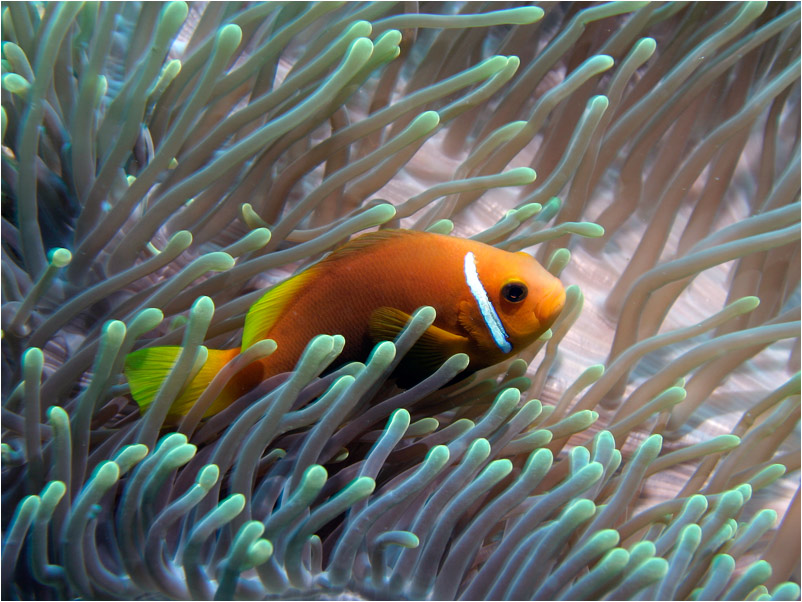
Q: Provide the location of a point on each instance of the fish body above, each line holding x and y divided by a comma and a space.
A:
490, 305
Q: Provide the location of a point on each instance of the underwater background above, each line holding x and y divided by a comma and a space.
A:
165, 163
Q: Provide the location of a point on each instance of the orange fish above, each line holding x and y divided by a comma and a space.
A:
490, 305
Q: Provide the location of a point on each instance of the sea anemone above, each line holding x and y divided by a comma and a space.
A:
163, 165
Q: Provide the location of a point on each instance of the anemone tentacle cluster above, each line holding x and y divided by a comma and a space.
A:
163, 164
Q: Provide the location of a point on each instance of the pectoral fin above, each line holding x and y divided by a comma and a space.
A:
433, 347
475, 327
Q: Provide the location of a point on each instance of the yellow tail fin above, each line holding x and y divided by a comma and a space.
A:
146, 370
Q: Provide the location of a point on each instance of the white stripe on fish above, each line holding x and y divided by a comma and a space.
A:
486, 308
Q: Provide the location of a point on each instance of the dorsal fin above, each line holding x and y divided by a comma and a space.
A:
263, 314
365, 241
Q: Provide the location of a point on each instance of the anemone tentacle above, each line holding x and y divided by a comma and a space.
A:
164, 163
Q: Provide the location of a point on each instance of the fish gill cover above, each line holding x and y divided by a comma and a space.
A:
162, 165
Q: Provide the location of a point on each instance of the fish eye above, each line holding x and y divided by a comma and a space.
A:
514, 292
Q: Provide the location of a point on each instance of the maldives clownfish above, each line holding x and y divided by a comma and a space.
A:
490, 305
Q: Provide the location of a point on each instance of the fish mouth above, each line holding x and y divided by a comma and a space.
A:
551, 304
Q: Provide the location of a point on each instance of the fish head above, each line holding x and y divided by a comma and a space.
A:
529, 299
